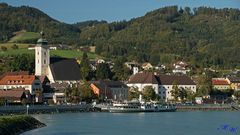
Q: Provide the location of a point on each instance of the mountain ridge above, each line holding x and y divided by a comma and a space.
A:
204, 37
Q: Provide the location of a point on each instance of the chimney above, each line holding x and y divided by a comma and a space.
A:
135, 70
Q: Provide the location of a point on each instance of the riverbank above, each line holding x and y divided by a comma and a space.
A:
41, 109
15, 125
209, 107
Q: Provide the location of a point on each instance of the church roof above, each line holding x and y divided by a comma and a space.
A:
64, 69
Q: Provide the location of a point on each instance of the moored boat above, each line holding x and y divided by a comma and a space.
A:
128, 107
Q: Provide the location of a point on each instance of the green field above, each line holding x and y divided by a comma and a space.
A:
9, 45
60, 53
23, 36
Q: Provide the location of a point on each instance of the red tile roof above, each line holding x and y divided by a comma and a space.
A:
17, 80
219, 82
11, 93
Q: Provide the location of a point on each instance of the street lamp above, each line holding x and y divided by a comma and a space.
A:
27, 109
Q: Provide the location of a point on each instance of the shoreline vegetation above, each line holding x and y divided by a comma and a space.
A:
15, 125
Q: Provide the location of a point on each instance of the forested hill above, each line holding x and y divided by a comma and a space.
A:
14, 19
205, 37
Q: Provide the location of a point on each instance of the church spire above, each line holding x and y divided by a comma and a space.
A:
42, 40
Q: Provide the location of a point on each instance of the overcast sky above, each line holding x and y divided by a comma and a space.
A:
71, 11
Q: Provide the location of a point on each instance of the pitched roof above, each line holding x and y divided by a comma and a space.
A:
180, 80
146, 64
15, 73
234, 79
108, 84
145, 78
17, 80
12, 93
65, 69
151, 78
219, 81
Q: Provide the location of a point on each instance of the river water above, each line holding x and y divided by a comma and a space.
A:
168, 123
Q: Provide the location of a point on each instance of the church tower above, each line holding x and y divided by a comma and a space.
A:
42, 57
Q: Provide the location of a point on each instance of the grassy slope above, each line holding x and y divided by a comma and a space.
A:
22, 36
61, 53
13, 125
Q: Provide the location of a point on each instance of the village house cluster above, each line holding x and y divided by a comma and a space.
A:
53, 75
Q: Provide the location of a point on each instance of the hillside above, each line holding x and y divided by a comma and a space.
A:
24, 37
13, 19
204, 37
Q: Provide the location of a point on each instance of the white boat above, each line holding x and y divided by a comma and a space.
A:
140, 107
165, 108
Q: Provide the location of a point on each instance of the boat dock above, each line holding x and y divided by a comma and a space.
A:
224, 107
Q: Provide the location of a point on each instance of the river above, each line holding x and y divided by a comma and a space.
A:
168, 123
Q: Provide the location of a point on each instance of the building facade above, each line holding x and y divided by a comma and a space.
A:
162, 84
28, 82
113, 90
56, 69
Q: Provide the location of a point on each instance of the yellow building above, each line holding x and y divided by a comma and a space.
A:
234, 82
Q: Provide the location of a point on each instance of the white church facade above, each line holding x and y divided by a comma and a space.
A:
56, 69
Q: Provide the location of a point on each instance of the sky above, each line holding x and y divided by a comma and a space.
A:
72, 11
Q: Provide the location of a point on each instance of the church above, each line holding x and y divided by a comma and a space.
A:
57, 70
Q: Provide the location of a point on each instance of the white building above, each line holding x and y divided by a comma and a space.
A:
28, 82
180, 67
162, 84
56, 69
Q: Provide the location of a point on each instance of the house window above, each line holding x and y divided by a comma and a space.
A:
44, 53
36, 83
44, 61
38, 61
38, 53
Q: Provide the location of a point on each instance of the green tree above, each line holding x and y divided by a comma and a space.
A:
237, 94
149, 93
175, 91
204, 85
24, 62
133, 93
85, 66
103, 71
87, 93
121, 72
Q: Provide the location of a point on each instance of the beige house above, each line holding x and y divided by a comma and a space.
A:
234, 82
220, 84
147, 66
28, 82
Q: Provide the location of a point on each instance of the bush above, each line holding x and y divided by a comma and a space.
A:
14, 47
3, 48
